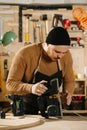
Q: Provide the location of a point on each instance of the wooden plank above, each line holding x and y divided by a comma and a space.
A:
13, 122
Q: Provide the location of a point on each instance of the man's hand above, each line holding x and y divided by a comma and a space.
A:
39, 88
68, 98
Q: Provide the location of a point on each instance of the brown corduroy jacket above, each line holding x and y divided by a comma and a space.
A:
26, 61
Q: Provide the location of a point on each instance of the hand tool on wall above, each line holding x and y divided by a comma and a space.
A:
27, 34
1, 26
45, 19
2, 22
39, 26
5, 69
66, 23
56, 19
75, 24
77, 41
34, 29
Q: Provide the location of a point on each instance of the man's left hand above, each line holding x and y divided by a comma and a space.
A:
68, 98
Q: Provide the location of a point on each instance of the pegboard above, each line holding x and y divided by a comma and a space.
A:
78, 59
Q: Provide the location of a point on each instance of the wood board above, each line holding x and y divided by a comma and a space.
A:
13, 122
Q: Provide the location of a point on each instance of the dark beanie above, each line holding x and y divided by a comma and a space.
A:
58, 36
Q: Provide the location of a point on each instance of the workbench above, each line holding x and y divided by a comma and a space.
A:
37, 122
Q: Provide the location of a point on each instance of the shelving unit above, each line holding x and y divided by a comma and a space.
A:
78, 104
77, 51
5, 62
80, 88
78, 99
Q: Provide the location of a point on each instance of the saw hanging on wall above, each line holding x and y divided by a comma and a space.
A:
57, 20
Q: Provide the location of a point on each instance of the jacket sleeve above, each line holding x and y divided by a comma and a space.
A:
69, 78
14, 82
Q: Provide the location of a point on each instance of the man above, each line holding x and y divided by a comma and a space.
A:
36, 64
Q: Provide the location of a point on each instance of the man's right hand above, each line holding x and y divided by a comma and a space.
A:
39, 88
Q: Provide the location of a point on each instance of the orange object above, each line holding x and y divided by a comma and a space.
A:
80, 14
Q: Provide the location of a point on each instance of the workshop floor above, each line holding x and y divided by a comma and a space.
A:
67, 123
77, 122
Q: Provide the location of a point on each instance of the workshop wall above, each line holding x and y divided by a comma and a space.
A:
35, 29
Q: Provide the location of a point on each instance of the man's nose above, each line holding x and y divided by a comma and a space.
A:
60, 55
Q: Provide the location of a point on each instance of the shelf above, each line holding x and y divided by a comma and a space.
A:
74, 31
75, 111
79, 95
77, 47
80, 79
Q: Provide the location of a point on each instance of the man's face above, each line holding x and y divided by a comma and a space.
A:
56, 51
